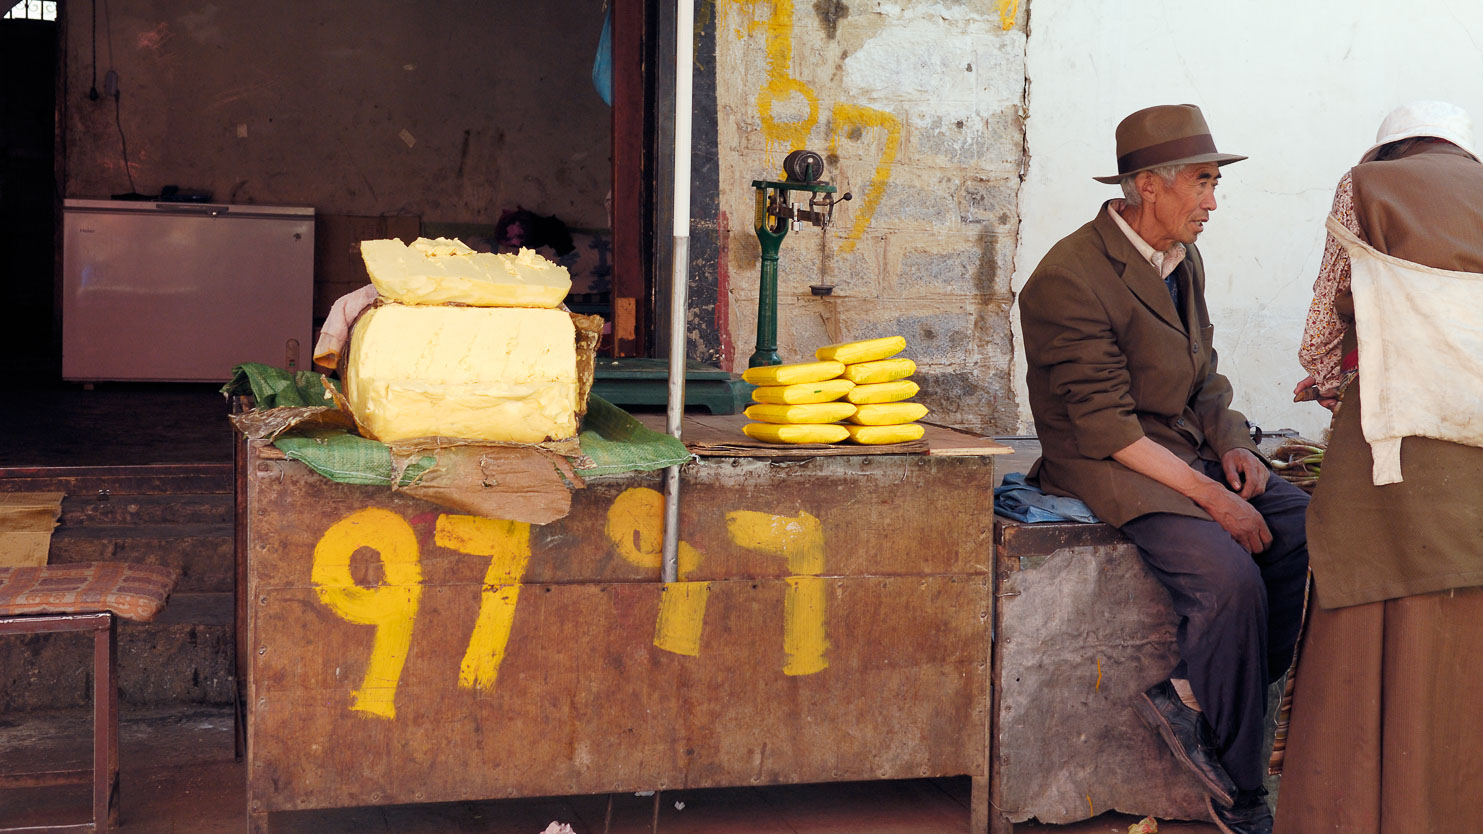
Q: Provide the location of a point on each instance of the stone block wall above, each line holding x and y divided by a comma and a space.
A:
918, 111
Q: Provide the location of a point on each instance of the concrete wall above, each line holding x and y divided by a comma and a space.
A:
1300, 88
450, 111
918, 110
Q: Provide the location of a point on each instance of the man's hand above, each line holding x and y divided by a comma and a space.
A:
1235, 516
1229, 510
1244, 472
1307, 389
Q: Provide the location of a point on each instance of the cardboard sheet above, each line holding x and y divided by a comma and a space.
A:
26, 523
720, 435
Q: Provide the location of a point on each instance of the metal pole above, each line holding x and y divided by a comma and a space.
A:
678, 301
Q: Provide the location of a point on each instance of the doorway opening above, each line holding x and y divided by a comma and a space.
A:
29, 193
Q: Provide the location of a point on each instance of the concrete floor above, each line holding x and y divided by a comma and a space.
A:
178, 776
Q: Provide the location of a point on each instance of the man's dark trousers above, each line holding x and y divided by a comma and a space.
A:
1239, 613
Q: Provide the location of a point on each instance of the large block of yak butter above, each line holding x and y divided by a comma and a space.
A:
443, 271
503, 374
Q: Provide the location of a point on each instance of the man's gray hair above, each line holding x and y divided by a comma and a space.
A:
1168, 173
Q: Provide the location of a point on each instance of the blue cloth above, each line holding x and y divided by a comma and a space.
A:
602, 65
1023, 501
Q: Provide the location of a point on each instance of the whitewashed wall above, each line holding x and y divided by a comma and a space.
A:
1299, 86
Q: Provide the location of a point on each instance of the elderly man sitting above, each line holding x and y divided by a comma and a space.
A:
1135, 420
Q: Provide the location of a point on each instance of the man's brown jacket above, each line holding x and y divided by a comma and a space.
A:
1110, 361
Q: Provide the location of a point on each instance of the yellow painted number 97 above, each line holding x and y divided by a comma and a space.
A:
391, 606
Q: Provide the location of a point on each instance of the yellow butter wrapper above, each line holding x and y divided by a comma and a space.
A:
882, 435
888, 414
810, 413
883, 370
882, 392
783, 433
795, 373
868, 350
803, 392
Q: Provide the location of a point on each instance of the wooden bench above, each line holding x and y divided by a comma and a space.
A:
84, 597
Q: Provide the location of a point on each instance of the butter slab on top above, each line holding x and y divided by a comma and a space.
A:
445, 271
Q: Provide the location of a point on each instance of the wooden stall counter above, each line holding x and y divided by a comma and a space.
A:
831, 623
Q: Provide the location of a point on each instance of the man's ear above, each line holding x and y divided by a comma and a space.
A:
1146, 186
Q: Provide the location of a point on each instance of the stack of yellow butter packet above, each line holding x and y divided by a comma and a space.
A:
801, 403
881, 390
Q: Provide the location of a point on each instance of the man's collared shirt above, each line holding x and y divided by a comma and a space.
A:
1164, 262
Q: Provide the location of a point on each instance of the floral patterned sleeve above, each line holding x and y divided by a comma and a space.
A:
1320, 352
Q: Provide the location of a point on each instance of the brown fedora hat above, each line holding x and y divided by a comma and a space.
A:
1169, 134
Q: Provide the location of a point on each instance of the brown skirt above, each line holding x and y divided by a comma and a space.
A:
1387, 721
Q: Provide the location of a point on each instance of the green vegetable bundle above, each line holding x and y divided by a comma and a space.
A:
1299, 463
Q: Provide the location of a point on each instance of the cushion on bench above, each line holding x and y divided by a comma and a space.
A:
131, 591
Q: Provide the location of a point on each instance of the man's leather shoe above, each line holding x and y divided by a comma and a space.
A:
1249, 814
1188, 736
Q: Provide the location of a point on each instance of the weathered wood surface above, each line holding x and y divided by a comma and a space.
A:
165, 478
843, 635
1082, 627
883, 515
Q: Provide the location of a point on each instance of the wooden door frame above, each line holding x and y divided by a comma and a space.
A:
633, 296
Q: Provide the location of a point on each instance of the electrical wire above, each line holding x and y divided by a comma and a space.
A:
93, 91
118, 120
117, 114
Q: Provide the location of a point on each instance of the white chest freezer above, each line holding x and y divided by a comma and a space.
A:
181, 292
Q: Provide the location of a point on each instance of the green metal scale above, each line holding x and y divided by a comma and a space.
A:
775, 215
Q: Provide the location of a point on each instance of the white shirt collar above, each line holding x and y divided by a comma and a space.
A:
1162, 262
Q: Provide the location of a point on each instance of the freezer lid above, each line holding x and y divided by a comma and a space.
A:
185, 209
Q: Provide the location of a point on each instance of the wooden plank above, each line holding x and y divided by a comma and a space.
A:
1018, 543
151, 479
949, 441
631, 282
883, 516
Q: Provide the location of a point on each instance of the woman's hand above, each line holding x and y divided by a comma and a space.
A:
1307, 389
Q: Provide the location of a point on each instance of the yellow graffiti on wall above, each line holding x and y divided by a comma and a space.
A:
635, 526
1008, 9
391, 606
781, 88
507, 544
853, 116
800, 540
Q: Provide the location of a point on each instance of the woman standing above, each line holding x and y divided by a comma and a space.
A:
1387, 723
